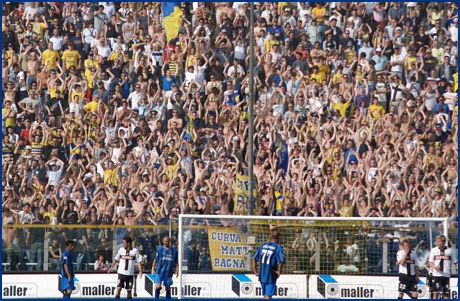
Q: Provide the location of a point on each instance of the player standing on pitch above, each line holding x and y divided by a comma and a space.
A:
409, 271
165, 264
271, 259
67, 284
441, 259
126, 256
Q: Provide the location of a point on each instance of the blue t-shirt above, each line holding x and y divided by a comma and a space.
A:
167, 260
269, 256
66, 259
167, 83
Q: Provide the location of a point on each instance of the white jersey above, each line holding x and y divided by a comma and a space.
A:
444, 259
411, 262
127, 260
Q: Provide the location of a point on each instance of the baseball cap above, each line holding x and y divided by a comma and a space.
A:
456, 20
28, 147
378, 49
100, 82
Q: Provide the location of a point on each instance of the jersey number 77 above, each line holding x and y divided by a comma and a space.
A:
266, 256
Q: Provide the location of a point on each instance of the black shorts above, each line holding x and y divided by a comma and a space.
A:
429, 281
407, 284
441, 285
125, 281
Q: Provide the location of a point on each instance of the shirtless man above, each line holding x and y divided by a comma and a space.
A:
200, 168
5, 71
313, 199
200, 199
133, 176
229, 11
143, 84
9, 217
175, 119
224, 209
130, 219
138, 204
33, 65
10, 91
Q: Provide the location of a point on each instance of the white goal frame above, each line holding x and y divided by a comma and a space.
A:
183, 217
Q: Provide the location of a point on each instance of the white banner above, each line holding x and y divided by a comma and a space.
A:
365, 287
194, 286
17, 286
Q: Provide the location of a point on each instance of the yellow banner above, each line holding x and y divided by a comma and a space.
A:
228, 249
242, 193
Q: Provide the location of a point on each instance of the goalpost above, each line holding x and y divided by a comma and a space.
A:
325, 257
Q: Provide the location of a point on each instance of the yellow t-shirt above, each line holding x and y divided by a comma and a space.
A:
323, 71
50, 57
455, 76
316, 76
191, 60
39, 28
268, 44
9, 120
337, 78
91, 63
347, 211
71, 58
52, 92
92, 106
80, 94
341, 107
378, 108
110, 176
409, 61
115, 56
90, 80
319, 11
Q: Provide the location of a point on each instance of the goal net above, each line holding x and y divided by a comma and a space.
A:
325, 257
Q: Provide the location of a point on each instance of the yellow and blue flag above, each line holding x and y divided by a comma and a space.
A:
189, 132
283, 157
171, 19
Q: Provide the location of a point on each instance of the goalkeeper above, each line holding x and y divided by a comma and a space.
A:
166, 264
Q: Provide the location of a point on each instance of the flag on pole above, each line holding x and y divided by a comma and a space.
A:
234, 98
171, 19
241, 194
189, 132
283, 157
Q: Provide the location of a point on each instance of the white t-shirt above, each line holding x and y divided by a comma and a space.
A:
104, 51
448, 258
412, 261
396, 58
451, 98
135, 98
126, 261
453, 33
350, 252
57, 42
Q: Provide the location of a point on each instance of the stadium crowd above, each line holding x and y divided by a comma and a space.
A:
105, 121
